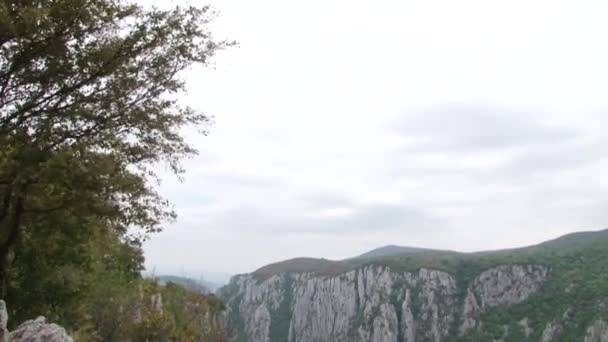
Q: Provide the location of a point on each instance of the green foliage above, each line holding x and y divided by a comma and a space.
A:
280, 319
146, 311
87, 112
201, 286
573, 296
86, 109
302, 265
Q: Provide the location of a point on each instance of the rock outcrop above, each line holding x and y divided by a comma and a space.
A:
598, 332
500, 286
3, 322
552, 332
372, 304
37, 330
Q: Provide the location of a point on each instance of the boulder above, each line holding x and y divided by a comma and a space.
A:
39, 330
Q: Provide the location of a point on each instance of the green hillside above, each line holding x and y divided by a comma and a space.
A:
573, 296
411, 258
392, 251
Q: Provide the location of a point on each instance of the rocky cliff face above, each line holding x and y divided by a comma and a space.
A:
376, 304
500, 286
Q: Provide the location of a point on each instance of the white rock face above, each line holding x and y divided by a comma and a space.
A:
373, 304
470, 312
552, 332
257, 302
508, 285
500, 286
370, 304
408, 324
598, 332
385, 327
39, 331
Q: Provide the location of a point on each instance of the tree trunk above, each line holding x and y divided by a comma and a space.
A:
12, 230
6, 203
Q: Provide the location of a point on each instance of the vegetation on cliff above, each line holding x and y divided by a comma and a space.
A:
557, 289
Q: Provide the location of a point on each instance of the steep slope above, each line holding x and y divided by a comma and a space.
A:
555, 291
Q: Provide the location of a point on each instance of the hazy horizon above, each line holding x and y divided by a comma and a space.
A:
343, 126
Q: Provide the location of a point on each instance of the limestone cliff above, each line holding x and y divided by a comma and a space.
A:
555, 291
372, 303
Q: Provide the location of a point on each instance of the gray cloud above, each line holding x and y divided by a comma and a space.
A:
473, 128
335, 221
502, 145
442, 182
490, 144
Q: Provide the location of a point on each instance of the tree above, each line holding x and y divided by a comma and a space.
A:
87, 109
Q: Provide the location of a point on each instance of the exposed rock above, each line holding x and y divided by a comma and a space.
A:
508, 285
470, 312
598, 332
408, 324
368, 304
3, 322
373, 304
325, 306
156, 301
525, 324
552, 332
500, 286
259, 326
31, 331
39, 331
385, 327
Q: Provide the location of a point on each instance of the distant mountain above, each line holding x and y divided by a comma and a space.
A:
575, 240
301, 265
396, 251
550, 292
325, 266
210, 280
201, 286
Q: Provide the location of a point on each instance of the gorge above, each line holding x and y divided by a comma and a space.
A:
554, 291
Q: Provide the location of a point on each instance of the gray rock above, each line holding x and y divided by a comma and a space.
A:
408, 324
39, 330
500, 286
360, 305
3, 322
552, 332
598, 332
385, 327
470, 313
525, 324
374, 303
508, 285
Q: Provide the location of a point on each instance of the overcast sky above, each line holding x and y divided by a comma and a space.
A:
341, 126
